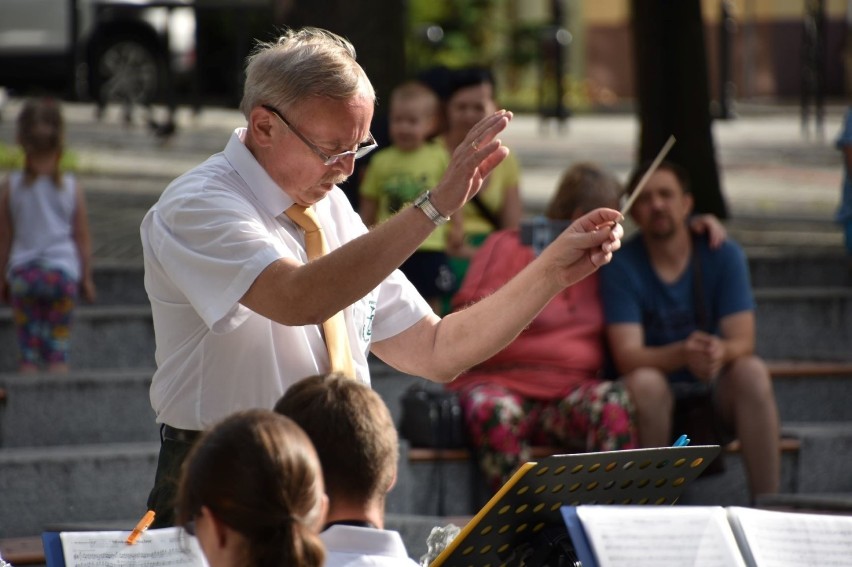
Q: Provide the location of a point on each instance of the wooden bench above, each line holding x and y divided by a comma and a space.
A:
22, 550
421, 454
805, 368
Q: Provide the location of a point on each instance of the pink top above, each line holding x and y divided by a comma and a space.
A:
564, 345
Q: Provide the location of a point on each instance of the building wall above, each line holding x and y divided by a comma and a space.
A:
766, 56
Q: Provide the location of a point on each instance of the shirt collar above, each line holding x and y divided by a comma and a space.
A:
269, 193
369, 541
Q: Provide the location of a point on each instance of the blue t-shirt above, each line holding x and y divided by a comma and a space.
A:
633, 293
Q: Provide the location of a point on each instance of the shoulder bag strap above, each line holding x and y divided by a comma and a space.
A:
702, 318
486, 213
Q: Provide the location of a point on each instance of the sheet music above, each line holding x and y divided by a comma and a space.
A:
787, 539
660, 536
168, 547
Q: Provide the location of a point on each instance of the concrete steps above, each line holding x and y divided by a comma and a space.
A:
41, 486
111, 406
774, 268
802, 323
812, 391
120, 283
83, 447
820, 465
84, 407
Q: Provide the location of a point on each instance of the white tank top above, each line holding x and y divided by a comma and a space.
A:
43, 223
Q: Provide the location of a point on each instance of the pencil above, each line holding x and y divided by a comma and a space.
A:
141, 527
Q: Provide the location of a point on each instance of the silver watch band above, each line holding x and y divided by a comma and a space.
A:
424, 203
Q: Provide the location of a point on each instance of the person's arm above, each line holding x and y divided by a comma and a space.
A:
83, 242
455, 234
629, 352
6, 235
440, 349
292, 293
710, 225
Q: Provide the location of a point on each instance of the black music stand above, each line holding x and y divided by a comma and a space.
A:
530, 501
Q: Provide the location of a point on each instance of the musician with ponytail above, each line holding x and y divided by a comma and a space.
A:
252, 491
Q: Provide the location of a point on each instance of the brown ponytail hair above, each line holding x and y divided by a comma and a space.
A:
41, 132
259, 474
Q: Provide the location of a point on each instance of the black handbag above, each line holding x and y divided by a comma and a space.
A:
695, 415
432, 418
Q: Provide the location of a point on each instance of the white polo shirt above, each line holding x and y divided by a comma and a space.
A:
212, 232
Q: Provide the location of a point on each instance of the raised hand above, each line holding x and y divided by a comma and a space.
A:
473, 159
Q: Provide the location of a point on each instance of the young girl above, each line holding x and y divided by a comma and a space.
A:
44, 241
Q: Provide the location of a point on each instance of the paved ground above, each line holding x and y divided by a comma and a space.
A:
781, 183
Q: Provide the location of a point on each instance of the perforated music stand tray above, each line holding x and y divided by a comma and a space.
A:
531, 499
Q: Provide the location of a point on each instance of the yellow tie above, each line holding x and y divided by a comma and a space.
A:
336, 339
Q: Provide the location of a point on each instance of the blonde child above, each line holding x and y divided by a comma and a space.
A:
45, 246
397, 175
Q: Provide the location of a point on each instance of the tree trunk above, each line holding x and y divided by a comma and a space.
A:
674, 94
377, 32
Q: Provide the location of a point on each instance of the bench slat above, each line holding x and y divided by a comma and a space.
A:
805, 368
429, 454
22, 550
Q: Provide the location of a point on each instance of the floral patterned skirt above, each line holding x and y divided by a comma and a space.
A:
502, 425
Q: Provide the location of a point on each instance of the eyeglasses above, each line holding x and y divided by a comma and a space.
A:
363, 148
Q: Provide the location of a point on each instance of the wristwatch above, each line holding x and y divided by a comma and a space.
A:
424, 203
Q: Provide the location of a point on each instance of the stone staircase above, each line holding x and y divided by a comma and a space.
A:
82, 448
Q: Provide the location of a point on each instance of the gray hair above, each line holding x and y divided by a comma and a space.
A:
301, 64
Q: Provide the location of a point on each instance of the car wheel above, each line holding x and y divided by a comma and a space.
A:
125, 71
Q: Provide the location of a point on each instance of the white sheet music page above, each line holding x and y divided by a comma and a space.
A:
167, 547
788, 539
660, 536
